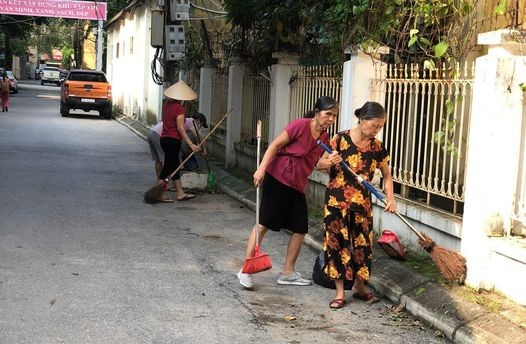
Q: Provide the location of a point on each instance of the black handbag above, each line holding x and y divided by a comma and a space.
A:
319, 277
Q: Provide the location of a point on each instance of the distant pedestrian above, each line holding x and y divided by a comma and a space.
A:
348, 208
200, 122
154, 141
283, 173
172, 134
5, 93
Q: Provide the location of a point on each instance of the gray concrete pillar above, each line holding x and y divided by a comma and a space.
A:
280, 74
235, 103
205, 91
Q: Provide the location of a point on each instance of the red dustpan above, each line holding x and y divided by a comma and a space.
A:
390, 243
260, 261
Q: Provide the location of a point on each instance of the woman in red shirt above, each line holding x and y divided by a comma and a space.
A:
283, 173
173, 133
5, 93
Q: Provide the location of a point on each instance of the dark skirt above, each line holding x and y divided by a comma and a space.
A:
171, 148
282, 207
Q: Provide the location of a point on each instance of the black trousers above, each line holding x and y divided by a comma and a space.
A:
171, 148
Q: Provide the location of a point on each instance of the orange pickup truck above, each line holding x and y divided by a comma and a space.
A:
86, 90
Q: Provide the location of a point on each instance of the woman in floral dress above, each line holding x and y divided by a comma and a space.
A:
348, 209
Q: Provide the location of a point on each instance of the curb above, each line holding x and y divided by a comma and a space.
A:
128, 123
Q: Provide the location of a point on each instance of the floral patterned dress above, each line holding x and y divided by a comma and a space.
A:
348, 210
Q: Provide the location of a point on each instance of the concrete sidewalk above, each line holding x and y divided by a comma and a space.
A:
459, 319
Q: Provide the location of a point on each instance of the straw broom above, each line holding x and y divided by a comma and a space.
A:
452, 266
154, 194
260, 261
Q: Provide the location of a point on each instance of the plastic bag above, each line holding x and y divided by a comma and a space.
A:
319, 277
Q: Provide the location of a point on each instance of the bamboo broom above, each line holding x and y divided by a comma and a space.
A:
260, 261
154, 194
452, 266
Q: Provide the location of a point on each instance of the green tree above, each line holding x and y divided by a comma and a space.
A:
13, 34
115, 6
266, 26
54, 33
414, 30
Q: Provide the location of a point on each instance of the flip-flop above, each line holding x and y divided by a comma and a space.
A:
186, 197
166, 200
368, 296
337, 303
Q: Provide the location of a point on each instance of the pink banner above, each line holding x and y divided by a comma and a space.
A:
94, 10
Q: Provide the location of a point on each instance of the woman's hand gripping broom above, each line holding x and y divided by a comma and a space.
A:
452, 266
259, 261
154, 194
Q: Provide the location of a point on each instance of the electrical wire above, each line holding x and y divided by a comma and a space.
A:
157, 59
15, 21
215, 3
202, 18
207, 9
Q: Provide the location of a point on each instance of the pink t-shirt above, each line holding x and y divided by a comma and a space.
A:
294, 162
158, 128
171, 110
188, 124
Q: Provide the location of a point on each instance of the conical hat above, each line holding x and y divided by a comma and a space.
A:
180, 91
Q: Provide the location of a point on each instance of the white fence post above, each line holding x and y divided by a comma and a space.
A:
492, 166
357, 75
205, 91
280, 93
235, 102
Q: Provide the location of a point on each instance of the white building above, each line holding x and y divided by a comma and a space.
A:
129, 60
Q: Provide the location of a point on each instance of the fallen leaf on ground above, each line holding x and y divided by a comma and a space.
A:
289, 317
420, 291
399, 308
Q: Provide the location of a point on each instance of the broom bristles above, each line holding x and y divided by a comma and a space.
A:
155, 193
452, 266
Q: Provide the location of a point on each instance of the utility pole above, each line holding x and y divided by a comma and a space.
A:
99, 45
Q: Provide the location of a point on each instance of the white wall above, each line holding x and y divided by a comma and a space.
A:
133, 88
492, 164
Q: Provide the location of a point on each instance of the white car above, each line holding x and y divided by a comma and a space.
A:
50, 75
13, 83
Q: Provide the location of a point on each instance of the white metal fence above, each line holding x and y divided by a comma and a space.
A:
308, 83
219, 99
426, 129
256, 106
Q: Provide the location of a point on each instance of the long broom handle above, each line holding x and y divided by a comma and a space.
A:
371, 189
199, 141
258, 138
198, 146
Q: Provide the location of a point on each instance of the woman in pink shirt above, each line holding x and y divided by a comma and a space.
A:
283, 174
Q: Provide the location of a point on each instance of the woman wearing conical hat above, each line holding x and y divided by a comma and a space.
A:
173, 134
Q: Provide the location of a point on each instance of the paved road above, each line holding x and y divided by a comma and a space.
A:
83, 260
